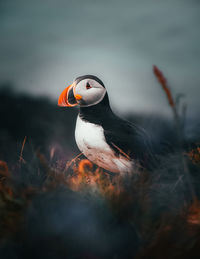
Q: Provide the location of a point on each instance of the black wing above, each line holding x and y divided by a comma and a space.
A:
127, 139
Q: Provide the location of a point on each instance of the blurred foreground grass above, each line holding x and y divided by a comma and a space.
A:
139, 214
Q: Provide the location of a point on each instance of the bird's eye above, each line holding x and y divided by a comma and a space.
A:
88, 86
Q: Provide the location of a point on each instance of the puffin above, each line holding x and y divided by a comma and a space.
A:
105, 139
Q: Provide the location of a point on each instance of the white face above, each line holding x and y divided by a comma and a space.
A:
90, 91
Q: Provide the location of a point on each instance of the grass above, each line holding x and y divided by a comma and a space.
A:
53, 209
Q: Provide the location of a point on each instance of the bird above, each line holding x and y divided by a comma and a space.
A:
105, 139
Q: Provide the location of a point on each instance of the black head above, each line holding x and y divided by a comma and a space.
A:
87, 90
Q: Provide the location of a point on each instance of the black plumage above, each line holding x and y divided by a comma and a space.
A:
122, 136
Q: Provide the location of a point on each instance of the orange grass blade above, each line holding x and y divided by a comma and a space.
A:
84, 164
194, 155
68, 164
162, 80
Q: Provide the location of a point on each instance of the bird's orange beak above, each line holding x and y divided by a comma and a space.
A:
68, 98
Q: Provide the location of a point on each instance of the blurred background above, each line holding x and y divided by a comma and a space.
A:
44, 45
50, 206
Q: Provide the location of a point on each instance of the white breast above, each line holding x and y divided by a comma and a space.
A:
91, 141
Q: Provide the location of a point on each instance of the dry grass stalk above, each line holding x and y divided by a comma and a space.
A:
22, 149
178, 122
162, 80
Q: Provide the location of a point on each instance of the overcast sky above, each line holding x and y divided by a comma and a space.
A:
44, 45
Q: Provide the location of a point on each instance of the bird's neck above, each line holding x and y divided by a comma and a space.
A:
96, 113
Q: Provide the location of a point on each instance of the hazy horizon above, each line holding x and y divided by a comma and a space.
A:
45, 45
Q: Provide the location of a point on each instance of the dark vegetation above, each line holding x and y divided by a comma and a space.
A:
53, 206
